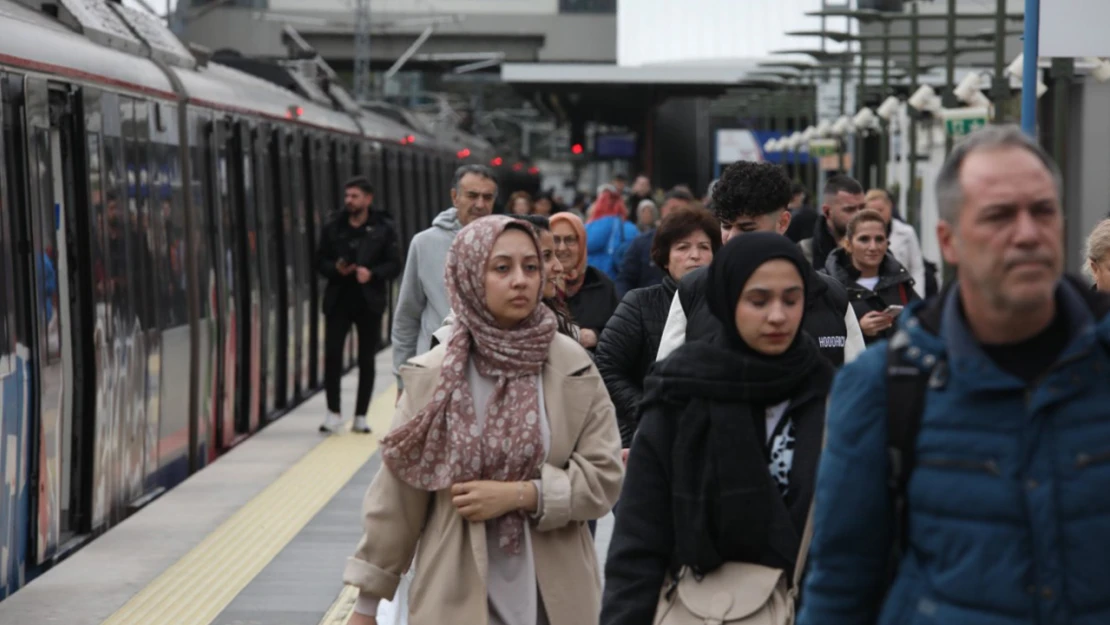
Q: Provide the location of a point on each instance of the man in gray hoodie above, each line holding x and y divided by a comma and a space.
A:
422, 304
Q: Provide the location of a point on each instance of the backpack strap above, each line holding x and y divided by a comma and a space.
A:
906, 388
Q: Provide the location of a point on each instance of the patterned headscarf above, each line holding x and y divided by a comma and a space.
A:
443, 445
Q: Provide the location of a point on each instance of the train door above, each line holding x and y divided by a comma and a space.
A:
409, 197
53, 273
287, 267
306, 267
141, 328
221, 237
16, 340
266, 227
312, 227
420, 190
243, 244
205, 272
392, 182
324, 189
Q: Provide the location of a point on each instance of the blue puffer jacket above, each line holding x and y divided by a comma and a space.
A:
604, 238
1009, 497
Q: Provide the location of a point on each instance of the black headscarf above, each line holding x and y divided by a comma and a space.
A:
725, 504
735, 263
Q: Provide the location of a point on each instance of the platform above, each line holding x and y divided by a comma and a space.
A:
260, 537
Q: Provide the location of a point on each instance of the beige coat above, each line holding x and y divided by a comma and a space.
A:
581, 481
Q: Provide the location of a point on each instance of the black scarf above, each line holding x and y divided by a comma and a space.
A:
723, 496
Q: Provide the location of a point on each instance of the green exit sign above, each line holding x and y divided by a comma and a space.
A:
822, 147
964, 126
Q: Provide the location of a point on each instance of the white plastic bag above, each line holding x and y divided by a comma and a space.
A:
396, 612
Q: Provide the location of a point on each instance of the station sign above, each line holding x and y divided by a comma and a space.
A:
820, 148
962, 122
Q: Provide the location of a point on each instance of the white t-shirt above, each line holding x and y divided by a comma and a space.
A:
868, 283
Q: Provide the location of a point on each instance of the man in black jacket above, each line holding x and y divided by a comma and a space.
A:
358, 254
843, 198
754, 197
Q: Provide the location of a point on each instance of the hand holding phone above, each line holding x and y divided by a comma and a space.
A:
893, 311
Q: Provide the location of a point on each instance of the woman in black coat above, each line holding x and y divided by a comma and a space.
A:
685, 240
878, 286
723, 466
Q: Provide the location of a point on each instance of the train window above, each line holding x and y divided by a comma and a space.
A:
46, 269
168, 205
97, 223
15, 197
7, 250
115, 218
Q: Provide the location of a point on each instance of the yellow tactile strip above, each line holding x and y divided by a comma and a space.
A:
341, 610
203, 582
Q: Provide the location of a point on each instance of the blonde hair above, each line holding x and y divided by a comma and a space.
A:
878, 194
862, 217
1098, 246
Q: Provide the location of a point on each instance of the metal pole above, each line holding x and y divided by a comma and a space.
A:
950, 99
1062, 71
843, 106
911, 189
1000, 85
884, 140
400, 62
857, 159
1031, 49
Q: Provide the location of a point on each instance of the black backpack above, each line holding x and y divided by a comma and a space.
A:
906, 388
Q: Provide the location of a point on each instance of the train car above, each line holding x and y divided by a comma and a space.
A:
159, 295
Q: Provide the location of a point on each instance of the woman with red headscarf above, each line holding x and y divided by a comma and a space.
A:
590, 295
503, 447
608, 231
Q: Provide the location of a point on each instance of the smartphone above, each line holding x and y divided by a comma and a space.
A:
893, 311
343, 262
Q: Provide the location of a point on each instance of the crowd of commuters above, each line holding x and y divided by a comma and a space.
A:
796, 423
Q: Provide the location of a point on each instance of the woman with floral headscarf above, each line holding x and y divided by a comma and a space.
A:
504, 446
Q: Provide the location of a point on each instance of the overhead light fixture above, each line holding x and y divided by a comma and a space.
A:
889, 108
924, 99
865, 119
842, 126
1017, 67
1101, 70
968, 89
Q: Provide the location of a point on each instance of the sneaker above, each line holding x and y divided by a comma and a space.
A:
331, 423
360, 426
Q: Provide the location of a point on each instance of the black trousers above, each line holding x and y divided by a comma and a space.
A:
337, 325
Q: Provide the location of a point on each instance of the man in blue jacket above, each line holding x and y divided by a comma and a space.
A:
1008, 518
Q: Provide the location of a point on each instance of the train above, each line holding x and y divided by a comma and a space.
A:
159, 299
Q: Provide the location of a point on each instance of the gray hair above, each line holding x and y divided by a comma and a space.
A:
950, 196
1098, 246
478, 170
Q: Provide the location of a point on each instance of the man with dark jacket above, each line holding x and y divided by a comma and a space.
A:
843, 198
637, 271
754, 197
1004, 517
358, 254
